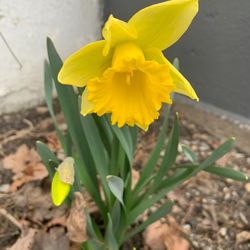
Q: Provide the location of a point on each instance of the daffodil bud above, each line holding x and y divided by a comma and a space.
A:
62, 181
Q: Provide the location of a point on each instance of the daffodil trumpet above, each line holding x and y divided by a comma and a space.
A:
126, 73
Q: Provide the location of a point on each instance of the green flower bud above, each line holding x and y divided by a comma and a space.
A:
62, 181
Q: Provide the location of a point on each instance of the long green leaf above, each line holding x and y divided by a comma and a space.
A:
182, 175
125, 139
170, 153
46, 155
116, 216
95, 143
160, 212
105, 131
154, 156
134, 135
69, 105
97, 150
48, 88
168, 160
179, 177
92, 228
227, 173
217, 154
189, 153
167, 185
110, 239
116, 186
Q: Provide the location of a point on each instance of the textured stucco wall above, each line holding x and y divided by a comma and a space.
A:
24, 25
214, 52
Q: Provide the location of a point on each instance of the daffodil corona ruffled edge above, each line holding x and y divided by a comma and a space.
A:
126, 74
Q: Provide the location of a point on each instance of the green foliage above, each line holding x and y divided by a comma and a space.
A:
103, 157
116, 186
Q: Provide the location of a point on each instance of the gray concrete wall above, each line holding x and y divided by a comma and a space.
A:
214, 53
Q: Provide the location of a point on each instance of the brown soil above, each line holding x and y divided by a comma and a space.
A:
212, 212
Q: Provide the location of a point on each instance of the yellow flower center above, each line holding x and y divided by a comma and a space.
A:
132, 89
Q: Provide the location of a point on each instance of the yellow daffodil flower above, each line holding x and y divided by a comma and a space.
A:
62, 181
126, 74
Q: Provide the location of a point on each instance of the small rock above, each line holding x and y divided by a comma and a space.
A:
4, 187
227, 196
223, 231
247, 187
195, 244
248, 160
186, 228
204, 147
243, 219
176, 209
41, 109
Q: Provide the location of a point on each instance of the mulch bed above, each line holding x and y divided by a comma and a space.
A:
213, 213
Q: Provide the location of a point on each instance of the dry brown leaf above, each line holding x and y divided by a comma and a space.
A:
76, 222
153, 236
11, 219
75, 246
135, 178
247, 187
54, 239
242, 237
58, 221
25, 242
90, 204
53, 142
160, 236
26, 166
223, 160
177, 196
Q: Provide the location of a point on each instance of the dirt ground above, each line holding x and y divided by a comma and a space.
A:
210, 212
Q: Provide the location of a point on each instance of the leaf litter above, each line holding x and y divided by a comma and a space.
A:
210, 212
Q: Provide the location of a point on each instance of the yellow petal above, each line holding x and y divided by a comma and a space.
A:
116, 31
132, 92
182, 85
86, 106
86, 63
59, 190
162, 24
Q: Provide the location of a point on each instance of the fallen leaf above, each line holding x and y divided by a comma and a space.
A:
76, 222
159, 236
153, 236
75, 246
178, 197
26, 166
90, 204
35, 204
53, 142
223, 160
242, 237
58, 221
25, 242
54, 239
11, 219
135, 177
247, 187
